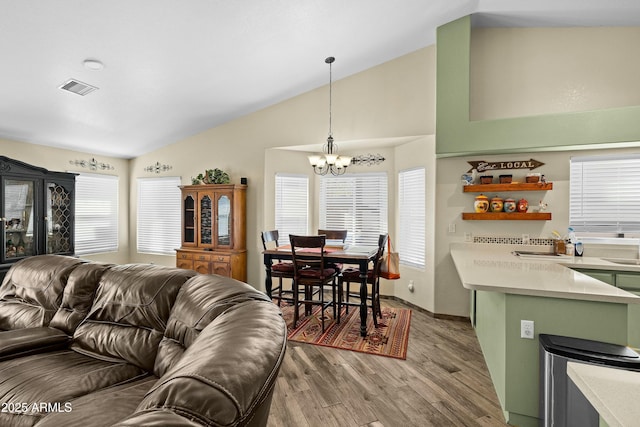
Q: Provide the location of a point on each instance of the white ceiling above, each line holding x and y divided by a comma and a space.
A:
173, 68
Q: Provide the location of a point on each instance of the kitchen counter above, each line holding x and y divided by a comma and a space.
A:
545, 290
614, 393
495, 268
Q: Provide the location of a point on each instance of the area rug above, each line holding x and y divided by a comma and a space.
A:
390, 338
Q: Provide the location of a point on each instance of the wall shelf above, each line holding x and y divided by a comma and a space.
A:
511, 216
491, 188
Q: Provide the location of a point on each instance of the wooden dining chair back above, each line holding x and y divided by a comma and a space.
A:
311, 274
337, 235
280, 270
352, 275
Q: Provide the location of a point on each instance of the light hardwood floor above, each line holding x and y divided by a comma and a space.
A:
443, 382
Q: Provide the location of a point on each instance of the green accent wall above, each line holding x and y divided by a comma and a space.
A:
456, 135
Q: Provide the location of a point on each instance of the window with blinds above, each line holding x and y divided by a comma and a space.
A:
96, 214
159, 221
604, 195
292, 206
356, 203
411, 217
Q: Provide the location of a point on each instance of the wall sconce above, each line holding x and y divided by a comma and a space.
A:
92, 164
367, 159
157, 168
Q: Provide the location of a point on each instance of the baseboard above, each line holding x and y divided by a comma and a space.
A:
427, 312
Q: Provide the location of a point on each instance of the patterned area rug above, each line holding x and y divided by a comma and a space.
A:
390, 338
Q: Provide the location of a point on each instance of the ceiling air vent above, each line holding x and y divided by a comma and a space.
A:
78, 87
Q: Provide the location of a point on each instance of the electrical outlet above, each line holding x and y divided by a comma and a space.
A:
452, 227
525, 239
411, 286
468, 237
526, 329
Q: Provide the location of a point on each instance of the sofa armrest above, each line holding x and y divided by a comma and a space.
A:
227, 375
21, 342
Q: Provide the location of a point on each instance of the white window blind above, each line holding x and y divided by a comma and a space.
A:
411, 207
292, 206
159, 221
96, 216
356, 203
604, 194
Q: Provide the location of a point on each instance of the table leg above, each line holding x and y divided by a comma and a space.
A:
268, 284
363, 298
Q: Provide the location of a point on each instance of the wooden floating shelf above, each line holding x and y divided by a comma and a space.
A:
510, 216
492, 188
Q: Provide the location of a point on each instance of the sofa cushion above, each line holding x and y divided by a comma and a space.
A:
101, 408
226, 377
56, 378
21, 342
78, 296
31, 291
129, 313
201, 299
157, 418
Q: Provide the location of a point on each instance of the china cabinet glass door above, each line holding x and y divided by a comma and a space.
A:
223, 212
18, 214
58, 219
205, 217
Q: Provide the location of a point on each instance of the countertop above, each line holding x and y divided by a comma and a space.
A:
495, 268
614, 393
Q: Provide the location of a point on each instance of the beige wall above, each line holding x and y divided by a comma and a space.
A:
55, 159
530, 71
393, 100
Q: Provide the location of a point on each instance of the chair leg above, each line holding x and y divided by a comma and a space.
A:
340, 296
295, 306
280, 292
322, 306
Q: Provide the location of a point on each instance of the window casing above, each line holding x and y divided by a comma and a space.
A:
96, 214
292, 206
159, 209
411, 217
605, 196
357, 203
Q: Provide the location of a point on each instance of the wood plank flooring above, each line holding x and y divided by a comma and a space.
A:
443, 382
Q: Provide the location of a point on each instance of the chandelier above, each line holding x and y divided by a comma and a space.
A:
329, 161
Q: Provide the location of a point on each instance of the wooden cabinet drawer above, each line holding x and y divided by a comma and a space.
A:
221, 258
184, 255
202, 257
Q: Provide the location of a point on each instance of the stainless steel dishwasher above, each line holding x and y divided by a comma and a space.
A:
562, 404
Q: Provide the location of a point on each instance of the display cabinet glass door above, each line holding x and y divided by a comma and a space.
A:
223, 219
59, 219
18, 215
205, 217
189, 220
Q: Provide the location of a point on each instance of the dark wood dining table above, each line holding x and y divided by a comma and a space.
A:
360, 256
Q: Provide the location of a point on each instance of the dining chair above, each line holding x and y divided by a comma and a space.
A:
335, 235
340, 235
352, 275
310, 272
280, 270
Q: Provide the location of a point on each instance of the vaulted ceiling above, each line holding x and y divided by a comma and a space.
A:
172, 68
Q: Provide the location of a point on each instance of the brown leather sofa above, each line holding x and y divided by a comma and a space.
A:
89, 344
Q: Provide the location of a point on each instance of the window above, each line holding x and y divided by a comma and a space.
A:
159, 221
292, 206
96, 216
357, 203
411, 207
604, 194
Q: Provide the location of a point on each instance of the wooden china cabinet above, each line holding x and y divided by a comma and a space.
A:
214, 230
37, 212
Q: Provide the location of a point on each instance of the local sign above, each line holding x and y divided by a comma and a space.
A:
482, 166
